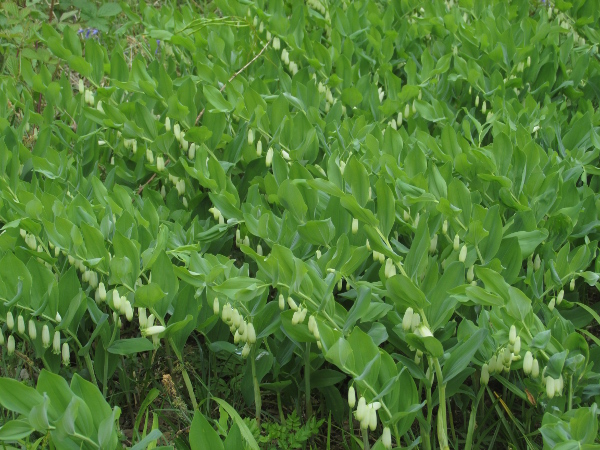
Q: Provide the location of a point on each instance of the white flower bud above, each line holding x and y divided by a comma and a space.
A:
416, 320
456, 242
259, 250
237, 337
445, 227
153, 330
535, 368
351, 397
484, 107
550, 389
10, 321
517, 346
269, 157
463, 253
167, 124
177, 131
281, 302
259, 148
66, 354
559, 385
30, 241
485, 375
399, 120
81, 86
123, 305
32, 330
58, 318
128, 311
192, 152
407, 319
292, 304
101, 291
116, 300
361, 409
250, 333
354, 226
433, 244
552, 304
492, 366
245, 351
470, 274
572, 285
477, 101
512, 334
160, 163
20, 325
529, 61
560, 297
143, 320
276, 43
527, 362
537, 263
372, 419
56, 343
10, 345
386, 438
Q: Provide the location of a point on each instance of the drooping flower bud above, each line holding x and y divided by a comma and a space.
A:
535, 368
128, 311
66, 354
160, 163
32, 329
56, 343
177, 131
386, 438
512, 334
259, 250
470, 274
527, 362
167, 124
550, 389
81, 86
361, 409
10, 321
572, 284
116, 300
259, 148
407, 319
45, 336
58, 318
351, 397
250, 333
456, 242
372, 418
269, 157
151, 331
20, 325
560, 296
10, 345
192, 152
281, 302
101, 291
354, 226
245, 351
517, 346
416, 320
250, 136
463, 253
537, 263
292, 303
552, 304
485, 375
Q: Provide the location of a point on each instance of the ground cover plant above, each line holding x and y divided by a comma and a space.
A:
277, 224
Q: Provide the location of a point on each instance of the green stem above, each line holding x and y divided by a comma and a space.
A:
307, 381
190, 388
570, 397
90, 367
365, 436
425, 434
472, 421
257, 398
105, 374
442, 422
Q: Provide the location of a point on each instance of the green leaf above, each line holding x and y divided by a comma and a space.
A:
215, 98
147, 295
318, 232
462, 355
202, 435
14, 430
130, 346
246, 433
405, 293
17, 397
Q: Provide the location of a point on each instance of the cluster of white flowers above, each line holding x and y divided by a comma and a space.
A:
291, 64
147, 327
88, 95
29, 239
130, 144
122, 306
32, 332
243, 331
366, 414
217, 215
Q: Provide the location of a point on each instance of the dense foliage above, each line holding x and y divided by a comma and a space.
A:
272, 224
